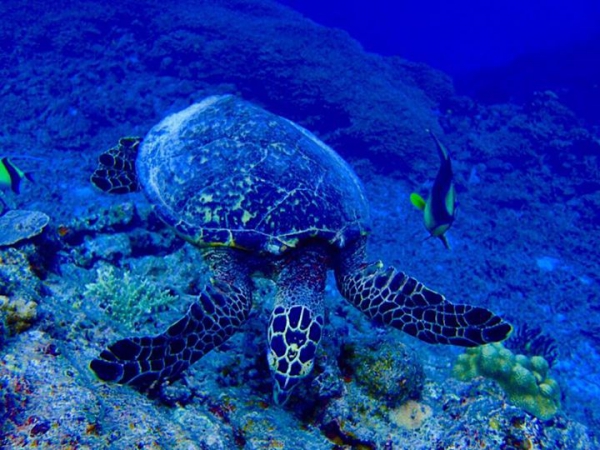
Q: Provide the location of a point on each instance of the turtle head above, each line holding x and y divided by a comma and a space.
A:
294, 334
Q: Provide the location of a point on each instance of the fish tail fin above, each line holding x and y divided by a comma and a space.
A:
417, 201
115, 173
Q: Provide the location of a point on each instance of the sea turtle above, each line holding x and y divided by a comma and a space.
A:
260, 194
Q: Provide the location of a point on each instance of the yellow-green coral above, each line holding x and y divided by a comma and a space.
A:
18, 314
126, 298
525, 380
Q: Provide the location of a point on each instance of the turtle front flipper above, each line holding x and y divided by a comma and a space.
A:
296, 323
393, 298
115, 173
147, 362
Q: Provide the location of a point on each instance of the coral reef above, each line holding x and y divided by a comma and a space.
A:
316, 76
125, 297
389, 372
525, 380
17, 314
18, 225
18, 275
111, 233
410, 415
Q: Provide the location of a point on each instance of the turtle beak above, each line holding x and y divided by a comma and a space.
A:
280, 397
282, 388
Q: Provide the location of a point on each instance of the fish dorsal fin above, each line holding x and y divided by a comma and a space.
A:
440, 147
417, 201
115, 173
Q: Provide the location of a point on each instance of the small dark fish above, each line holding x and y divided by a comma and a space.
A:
440, 207
11, 175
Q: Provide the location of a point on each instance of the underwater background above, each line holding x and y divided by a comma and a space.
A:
514, 100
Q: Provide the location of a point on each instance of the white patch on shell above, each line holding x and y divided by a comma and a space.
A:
162, 137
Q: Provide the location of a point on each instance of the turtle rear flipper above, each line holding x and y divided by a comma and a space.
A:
147, 362
115, 173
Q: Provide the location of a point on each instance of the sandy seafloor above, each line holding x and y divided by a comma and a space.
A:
76, 76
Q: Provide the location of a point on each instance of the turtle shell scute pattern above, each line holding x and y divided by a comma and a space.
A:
225, 172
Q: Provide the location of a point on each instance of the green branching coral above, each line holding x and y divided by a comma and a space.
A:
126, 298
524, 379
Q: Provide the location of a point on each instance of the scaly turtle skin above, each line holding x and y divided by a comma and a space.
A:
259, 194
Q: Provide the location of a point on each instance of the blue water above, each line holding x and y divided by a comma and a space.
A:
511, 90
459, 36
